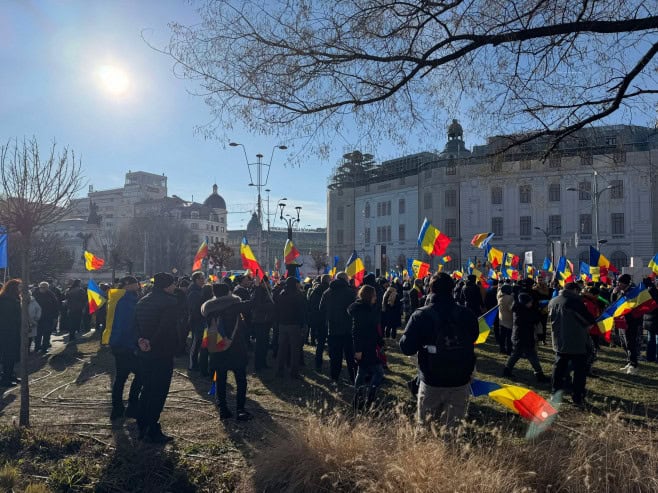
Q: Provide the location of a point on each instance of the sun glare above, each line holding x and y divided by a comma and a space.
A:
114, 80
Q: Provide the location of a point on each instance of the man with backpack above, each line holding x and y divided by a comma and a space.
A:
443, 334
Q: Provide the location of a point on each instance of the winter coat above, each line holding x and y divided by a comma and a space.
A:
10, 328
157, 319
230, 307
291, 308
523, 324
392, 308
505, 302
76, 300
262, 306
124, 332
49, 304
414, 298
334, 304
472, 298
34, 314
194, 300
365, 331
570, 321
316, 319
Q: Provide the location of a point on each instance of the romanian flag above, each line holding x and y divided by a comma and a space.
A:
548, 265
585, 273
445, 259
249, 260
92, 262
457, 274
220, 341
564, 271
355, 269
511, 260
653, 264
432, 240
213, 386
638, 300
332, 272
494, 256
480, 240
201, 253
524, 402
120, 315
512, 274
529, 271
482, 278
290, 252
420, 269
597, 259
486, 323
95, 296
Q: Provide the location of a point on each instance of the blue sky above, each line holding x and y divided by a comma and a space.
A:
51, 52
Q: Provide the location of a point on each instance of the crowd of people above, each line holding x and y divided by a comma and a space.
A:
218, 325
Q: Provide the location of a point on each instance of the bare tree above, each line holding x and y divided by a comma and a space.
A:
393, 67
220, 254
320, 260
114, 250
48, 256
35, 192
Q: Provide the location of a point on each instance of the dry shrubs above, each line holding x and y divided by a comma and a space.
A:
390, 455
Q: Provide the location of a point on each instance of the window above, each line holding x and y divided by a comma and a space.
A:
367, 210
497, 226
427, 200
379, 209
555, 225
428, 173
554, 192
525, 194
585, 224
617, 223
497, 195
379, 234
221, 220
616, 189
388, 208
222, 229
526, 164
611, 141
525, 226
451, 170
366, 236
339, 236
451, 228
619, 157
340, 213
401, 232
619, 259
496, 166
451, 198
587, 160
387, 234
554, 161
402, 206
194, 226
194, 214
584, 190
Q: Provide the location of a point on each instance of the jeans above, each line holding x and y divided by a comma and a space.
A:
262, 332
126, 363
651, 346
376, 373
290, 341
156, 373
561, 370
8, 374
321, 340
45, 328
74, 321
529, 351
505, 339
447, 404
630, 340
341, 346
198, 356
240, 374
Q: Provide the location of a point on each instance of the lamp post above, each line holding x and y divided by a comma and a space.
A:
290, 222
549, 243
595, 195
259, 182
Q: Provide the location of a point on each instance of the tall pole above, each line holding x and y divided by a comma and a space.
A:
595, 204
259, 185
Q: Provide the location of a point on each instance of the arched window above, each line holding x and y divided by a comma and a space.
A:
583, 257
619, 259
367, 209
368, 261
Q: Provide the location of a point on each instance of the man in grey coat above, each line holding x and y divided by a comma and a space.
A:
570, 322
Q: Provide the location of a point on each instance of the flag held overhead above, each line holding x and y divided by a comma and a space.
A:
431, 240
92, 262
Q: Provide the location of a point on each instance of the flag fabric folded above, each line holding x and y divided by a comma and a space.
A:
548, 265
564, 271
445, 259
596, 258
213, 386
432, 240
201, 253
355, 269
530, 271
116, 312
511, 260
653, 264
528, 404
249, 260
638, 300
290, 252
494, 256
420, 269
457, 274
485, 324
92, 262
95, 297
480, 240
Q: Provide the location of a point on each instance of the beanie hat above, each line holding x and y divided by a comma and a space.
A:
162, 280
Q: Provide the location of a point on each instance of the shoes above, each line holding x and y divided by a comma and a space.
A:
624, 368
158, 438
225, 414
117, 413
631, 370
131, 411
243, 415
6, 383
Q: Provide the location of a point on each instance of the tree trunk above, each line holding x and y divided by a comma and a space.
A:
24, 419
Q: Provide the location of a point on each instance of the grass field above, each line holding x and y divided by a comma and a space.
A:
72, 445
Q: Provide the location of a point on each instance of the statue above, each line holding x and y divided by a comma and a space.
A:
94, 217
455, 130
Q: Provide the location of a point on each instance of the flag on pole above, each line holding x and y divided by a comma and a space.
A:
486, 323
432, 240
420, 269
333, 270
201, 253
92, 262
3, 248
547, 265
596, 258
355, 269
494, 256
249, 259
653, 264
290, 252
481, 240
638, 300
95, 296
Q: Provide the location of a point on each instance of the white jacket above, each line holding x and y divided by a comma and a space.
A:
34, 314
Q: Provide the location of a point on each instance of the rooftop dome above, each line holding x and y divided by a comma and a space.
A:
214, 200
254, 224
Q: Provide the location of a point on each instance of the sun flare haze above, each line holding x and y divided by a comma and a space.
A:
113, 80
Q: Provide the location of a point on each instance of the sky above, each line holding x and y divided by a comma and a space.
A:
79, 72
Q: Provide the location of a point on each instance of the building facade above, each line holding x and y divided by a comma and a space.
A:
532, 199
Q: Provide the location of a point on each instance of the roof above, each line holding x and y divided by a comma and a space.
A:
214, 200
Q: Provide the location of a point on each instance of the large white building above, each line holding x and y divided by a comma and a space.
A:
528, 199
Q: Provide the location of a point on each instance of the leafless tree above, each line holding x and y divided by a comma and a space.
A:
48, 256
220, 254
394, 68
114, 250
320, 260
35, 192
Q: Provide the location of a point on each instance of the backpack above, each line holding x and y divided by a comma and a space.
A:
216, 337
451, 360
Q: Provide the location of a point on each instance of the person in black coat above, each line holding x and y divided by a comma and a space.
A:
471, 296
317, 319
366, 337
333, 306
10, 331
290, 309
525, 318
261, 320
49, 312
76, 302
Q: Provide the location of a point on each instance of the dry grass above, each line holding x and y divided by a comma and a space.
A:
365, 455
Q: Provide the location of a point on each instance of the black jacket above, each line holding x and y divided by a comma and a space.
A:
262, 306
316, 318
290, 307
365, 320
76, 299
524, 320
472, 298
230, 308
49, 304
422, 332
194, 300
334, 304
157, 319
10, 328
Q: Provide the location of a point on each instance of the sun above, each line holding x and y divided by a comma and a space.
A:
114, 80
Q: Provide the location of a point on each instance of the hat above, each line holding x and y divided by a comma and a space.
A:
625, 279
44, 284
524, 298
162, 280
128, 280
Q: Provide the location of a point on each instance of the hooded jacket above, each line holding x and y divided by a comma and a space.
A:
570, 321
333, 306
230, 307
156, 319
365, 332
290, 307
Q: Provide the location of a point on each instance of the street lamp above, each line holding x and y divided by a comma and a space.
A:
290, 222
549, 243
259, 182
595, 195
